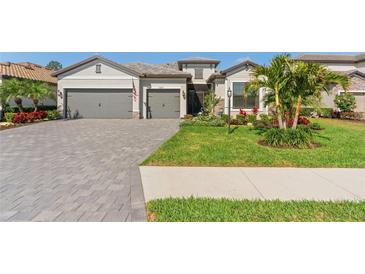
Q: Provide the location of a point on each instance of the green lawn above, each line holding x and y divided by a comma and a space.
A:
342, 145
223, 210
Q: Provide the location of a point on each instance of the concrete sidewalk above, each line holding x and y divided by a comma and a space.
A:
254, 183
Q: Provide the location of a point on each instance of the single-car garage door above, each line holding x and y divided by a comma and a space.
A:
163, 103
99, 103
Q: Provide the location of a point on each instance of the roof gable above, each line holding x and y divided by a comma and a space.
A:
97, 58
246, 64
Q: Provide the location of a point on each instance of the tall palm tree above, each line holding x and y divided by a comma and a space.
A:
275, 79
37, 91
13, 88
308, 80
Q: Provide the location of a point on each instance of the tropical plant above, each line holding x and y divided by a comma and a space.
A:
274, 78
308, 80
37, 91
13, 89
290, 83
54, 65
298, 138
345, 102
210, 102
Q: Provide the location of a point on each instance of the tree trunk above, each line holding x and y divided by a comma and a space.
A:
18, 102
297, 111
278, 111
35, 103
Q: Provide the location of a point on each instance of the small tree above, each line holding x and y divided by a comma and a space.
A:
210, 102
13, 88
37, 91
54, 65
345, 102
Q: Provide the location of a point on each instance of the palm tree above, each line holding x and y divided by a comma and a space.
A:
309, 80
37, 91
275, 79
13, 88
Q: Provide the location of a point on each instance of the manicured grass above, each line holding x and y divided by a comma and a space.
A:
342, 144
223, 210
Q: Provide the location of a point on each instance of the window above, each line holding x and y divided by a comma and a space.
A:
98, 68
239, 101
198, 73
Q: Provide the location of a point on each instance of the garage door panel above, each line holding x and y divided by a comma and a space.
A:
100, 103
164, 103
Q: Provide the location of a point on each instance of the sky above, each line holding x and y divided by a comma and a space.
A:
68, 58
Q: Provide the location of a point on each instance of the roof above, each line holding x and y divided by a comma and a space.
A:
92, 59
353, 72
244, 63
215, 75
27, 70
197, 60
153, 70
333, 58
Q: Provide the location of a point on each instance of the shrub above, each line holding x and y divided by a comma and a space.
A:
20, 117
205, 120
29, 117
224, 117
312, 112
31, 109
262, 124
242, 119
237, 122
9, 117
298, 138
345, 102
351, 115
252, 118
210, 102
53, 114
188, 117
265, 117
315, 126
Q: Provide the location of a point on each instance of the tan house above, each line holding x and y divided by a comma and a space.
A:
100, 88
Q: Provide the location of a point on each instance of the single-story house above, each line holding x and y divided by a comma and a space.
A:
27, 70
100, 88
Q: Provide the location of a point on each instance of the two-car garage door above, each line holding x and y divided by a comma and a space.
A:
99, 103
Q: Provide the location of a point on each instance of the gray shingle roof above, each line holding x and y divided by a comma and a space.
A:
155, 70
333, 57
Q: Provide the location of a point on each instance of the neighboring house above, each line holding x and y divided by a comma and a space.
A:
352, 65
101, 88
26, 70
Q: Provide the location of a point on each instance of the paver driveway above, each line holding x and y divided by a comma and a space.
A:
79, 170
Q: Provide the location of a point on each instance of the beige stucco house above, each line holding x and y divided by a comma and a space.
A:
101, 88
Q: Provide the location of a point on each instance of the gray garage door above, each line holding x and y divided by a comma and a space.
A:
163, 103
99, 103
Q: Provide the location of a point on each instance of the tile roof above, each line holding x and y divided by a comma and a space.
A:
27, 70
333, 57
154, 70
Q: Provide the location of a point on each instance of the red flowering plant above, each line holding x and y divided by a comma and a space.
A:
255, 110
29, 117
242, 112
